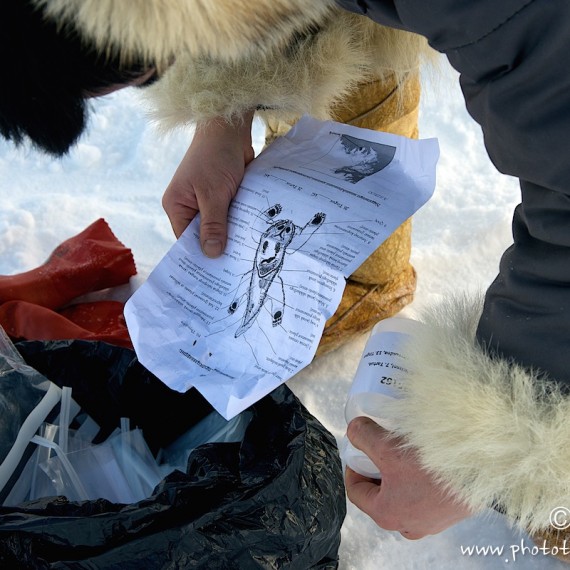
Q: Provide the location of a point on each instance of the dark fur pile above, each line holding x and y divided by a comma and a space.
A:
46, 74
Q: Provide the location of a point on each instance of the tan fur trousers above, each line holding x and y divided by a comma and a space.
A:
386, 281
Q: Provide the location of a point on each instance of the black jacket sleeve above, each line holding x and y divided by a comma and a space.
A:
514, 62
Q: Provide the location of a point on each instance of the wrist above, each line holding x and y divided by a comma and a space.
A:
220, 132
239, 126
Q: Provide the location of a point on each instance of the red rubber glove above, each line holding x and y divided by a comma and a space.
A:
99, 320
92, 260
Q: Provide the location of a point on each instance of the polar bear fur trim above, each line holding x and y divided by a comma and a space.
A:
494, 433
310, 77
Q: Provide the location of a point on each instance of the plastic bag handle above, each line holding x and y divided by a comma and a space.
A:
27, 431
72, 474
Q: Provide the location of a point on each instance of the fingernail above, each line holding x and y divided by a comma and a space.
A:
212, 248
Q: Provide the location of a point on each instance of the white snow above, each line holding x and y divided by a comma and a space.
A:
119, 170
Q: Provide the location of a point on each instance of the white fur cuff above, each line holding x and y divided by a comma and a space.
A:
319, 72
488, 429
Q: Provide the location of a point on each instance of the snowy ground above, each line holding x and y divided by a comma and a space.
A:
119, 171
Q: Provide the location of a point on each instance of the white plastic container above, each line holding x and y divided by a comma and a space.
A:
379, 378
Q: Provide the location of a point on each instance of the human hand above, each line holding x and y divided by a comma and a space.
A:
407, 498
208, 178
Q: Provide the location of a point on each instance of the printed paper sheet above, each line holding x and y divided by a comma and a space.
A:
311, 208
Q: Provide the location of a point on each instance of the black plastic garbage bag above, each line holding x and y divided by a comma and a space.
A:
274, 500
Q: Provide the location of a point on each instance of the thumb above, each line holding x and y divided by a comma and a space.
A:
214, 225
367, 436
